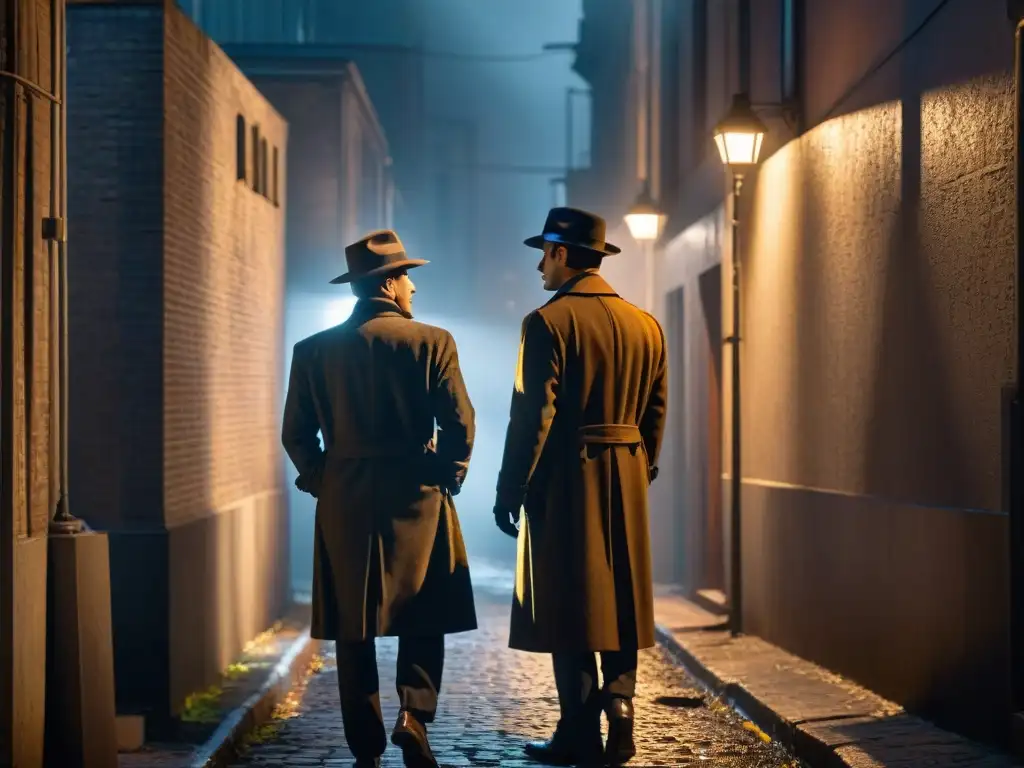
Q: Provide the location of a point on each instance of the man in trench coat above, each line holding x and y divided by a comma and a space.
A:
389, 558
587, 418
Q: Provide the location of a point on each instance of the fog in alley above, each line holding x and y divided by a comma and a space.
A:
485, 71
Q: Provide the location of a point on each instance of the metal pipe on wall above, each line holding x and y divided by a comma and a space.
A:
8, 220
63, 521
51, 249
736, 473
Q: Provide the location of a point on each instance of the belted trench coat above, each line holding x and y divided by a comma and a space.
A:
389, 558
586, 425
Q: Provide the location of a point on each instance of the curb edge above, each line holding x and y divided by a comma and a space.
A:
257, 709
800, 743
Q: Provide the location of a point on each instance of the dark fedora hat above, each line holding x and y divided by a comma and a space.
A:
572, 226
377, 253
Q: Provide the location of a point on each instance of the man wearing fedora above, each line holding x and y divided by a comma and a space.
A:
389, 558
587, 418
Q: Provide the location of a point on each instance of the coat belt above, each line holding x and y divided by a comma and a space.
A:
609, 434
383, 450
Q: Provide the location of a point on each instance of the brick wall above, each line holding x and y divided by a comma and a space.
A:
177, 344
224, 274
223, 285
115, 120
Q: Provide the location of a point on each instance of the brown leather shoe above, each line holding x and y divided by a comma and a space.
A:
620, 747
410, 735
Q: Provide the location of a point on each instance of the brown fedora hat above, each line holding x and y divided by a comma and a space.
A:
377, 253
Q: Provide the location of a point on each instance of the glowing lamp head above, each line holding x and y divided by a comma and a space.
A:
644, 218
740, 134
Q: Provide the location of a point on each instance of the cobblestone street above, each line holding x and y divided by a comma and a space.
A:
494, 699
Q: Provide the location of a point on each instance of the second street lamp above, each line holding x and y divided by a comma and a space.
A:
645, 220
739, 137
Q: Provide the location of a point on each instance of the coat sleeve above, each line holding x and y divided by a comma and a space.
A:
533, 409
300, 429
453, 411
652, 423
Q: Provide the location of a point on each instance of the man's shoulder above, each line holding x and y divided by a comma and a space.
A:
312, 342
426, 330
563, 316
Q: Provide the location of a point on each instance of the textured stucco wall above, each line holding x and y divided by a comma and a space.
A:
878, 337
878, 334
879, 301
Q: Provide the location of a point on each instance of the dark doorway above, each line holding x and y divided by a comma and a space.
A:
713, 576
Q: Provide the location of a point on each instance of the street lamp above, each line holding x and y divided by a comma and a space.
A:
740, 134
645, 219
738, 137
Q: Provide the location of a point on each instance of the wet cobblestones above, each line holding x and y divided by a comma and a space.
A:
495, 699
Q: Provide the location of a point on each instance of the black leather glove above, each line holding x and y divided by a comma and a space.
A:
507, 521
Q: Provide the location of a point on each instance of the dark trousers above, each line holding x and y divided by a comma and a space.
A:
418, 681
579, 695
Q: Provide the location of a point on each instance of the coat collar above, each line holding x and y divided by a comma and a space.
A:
585, 284
367, 309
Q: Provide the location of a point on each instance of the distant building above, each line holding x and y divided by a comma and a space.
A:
433, 159
178, 169
340, 174
878, 332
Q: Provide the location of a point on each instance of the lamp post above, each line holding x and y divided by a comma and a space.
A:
738, 137
645, 220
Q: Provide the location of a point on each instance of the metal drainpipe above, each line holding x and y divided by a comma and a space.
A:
736, 478
51, 249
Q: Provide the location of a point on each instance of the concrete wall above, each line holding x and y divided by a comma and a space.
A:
877, 339
178, 295
28, 482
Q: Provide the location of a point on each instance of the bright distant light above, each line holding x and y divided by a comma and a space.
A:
337, 311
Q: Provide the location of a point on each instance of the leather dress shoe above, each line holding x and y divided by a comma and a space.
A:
620, 747
410, 735
569, 746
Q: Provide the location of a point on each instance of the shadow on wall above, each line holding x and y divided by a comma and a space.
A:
934, 431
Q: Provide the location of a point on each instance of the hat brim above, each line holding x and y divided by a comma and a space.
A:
397, 266
537, 241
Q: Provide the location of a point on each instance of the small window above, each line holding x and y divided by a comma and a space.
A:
273, 181
264, 177
257, 178
789, 56
240, 170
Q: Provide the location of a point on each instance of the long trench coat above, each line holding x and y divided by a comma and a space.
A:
586, 425
389, 558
